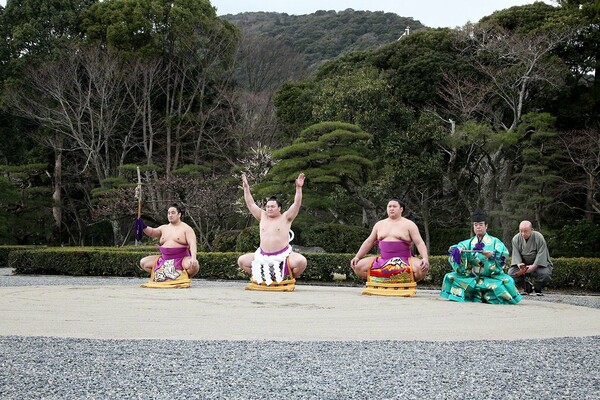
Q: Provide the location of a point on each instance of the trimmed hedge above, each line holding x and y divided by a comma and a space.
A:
5, 251
335, 238
578, 274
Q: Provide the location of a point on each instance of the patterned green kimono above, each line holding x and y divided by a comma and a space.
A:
477, 278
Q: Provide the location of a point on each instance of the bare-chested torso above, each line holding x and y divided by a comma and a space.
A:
173, 235
274, 232
393, 230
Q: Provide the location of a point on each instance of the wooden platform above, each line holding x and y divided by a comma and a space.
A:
284, 286
183, 282
391, 289
406, 287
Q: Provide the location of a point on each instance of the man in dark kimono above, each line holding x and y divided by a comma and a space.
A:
530, 258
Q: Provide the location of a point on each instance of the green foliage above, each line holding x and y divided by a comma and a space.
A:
192, 170
523, 19
79, 261
248, 240
5, 251
219, 266
294, 102
540, 171
404, 64
412, 157
149, 27
381, 85
25, 204
361, 97
36, 30
130, 170
579, 274
324, 35
443, 238
329, 154
335, 238
225, 241
579, 239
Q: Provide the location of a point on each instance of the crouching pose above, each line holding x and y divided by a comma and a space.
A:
177, 262
274, 260
394, 236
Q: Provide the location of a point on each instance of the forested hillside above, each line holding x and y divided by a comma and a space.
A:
324, 35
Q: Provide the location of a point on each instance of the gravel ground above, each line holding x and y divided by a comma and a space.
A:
50, 368
57, 368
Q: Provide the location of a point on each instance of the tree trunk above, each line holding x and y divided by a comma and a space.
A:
116, 227
57, 197
589, 198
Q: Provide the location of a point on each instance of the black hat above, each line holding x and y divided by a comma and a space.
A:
479, 216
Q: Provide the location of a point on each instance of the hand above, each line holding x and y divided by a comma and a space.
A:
193, 263
354, 261
530, 268
487, 253
245, 182
522, 270
425, 266
300, 180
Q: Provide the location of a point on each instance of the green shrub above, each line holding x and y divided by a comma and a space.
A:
580, 239
248, 240
579, 274
5, 251
442, 238
81, 261
576, 274
220, 266
335, 238
225, 241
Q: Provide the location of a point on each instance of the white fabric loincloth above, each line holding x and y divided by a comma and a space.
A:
261, 266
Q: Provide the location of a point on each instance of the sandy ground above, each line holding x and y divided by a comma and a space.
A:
225, 311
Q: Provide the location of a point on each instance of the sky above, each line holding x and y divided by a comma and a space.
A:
431, 13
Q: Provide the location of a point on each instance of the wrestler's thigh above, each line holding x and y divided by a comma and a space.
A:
297, 262
362, 267
147, 263
245, 260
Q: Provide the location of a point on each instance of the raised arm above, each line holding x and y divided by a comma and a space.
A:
252, 207
294, 209
153, 232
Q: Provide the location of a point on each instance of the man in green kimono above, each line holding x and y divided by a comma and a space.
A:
530, 258
478, 264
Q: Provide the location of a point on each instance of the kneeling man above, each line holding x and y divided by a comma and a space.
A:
530, 257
